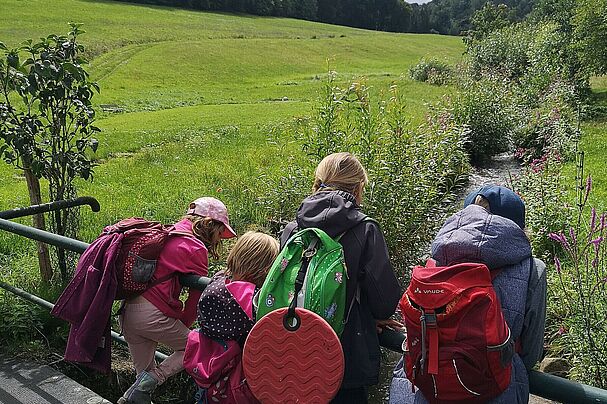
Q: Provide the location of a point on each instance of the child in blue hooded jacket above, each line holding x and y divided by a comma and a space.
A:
489, 230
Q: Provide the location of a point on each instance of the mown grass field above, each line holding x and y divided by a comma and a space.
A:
199, 93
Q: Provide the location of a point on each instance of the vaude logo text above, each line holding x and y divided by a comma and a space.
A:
429, 291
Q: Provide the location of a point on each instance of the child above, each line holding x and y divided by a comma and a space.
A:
157, 315
226, 314
372, 290
490, 230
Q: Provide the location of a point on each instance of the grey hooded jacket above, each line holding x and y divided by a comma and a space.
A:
475, 235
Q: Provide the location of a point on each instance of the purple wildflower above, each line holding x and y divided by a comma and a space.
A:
588, 187
592, 219
597, 241
560, 238
603, 217
557, 264
561, 330
572, 235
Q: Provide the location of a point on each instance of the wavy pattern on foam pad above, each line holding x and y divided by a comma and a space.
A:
301, 366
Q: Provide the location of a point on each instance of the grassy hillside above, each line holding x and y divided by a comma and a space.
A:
180, 75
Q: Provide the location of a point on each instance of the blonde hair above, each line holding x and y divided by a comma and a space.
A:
340, 172
251, 257
208, 231
482, 201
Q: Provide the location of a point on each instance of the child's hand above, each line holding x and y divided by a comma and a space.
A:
390, 324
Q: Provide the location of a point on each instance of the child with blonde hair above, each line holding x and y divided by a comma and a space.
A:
225, 314
225, 309
372, 290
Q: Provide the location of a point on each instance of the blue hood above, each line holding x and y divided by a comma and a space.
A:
475, 235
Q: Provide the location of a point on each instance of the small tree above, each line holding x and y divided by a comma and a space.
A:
590, 30
46, 121
488, 19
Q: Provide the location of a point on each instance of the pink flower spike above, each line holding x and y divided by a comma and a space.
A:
562, 330
557, 264
592, 219
572, 235
556, 237
588, 186
597, 241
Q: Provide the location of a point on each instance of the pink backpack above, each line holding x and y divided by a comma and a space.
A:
136, 262
216, 367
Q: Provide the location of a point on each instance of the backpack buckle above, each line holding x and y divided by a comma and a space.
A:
430, 319
309, 253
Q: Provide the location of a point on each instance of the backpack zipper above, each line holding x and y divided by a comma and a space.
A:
460, 380
310, 274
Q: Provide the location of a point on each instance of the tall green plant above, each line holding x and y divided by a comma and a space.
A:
413, 172
581, 289
46, 120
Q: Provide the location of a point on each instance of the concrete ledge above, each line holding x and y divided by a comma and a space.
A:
26, 382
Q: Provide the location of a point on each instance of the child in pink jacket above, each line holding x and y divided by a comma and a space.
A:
158, 315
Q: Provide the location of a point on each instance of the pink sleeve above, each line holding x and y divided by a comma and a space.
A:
196, 262
190, 307
191, 259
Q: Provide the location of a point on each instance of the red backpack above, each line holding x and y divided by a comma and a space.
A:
136, 262
459, 347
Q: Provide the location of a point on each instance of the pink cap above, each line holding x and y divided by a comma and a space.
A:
215, 209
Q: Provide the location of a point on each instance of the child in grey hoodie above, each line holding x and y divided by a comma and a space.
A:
489, 230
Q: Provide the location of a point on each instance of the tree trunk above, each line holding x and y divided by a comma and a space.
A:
44, 259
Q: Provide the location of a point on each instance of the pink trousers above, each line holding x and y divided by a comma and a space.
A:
144, 326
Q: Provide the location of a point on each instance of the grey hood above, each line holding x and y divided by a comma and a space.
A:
333, 211
475, 235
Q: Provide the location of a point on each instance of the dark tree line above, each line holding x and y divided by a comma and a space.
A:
439, 16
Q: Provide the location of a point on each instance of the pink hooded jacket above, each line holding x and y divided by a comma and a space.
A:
180, 255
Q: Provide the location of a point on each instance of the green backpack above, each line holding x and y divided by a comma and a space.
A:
311, 265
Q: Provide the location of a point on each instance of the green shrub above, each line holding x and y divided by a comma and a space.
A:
413, 172
488, 107
546, 200
432, 71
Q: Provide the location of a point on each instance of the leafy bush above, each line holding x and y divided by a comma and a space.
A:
547, 210
413, 172
521, 88
488, 107
432, 71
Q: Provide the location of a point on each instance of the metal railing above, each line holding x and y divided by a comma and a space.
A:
541, 384
49, 207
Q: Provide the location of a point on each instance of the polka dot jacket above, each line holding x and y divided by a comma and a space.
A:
219, 313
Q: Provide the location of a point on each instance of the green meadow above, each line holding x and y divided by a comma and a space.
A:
198, 95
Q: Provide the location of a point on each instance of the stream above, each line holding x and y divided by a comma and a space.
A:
498, 172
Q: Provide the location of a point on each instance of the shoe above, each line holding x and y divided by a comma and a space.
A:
141, 391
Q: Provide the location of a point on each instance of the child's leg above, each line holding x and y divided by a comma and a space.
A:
143, 323
174, 334
133, 322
